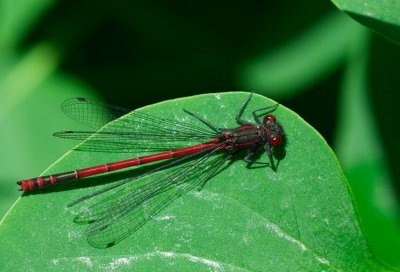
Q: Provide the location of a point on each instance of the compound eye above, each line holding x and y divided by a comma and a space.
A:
275, 141
269, 117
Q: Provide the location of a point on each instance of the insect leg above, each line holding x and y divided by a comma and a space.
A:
269, 153
218, 167
270, 108
249, 157
242, 121
207, 123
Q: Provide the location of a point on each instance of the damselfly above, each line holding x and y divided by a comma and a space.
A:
130, 203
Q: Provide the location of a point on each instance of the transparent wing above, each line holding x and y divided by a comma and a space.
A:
125, 130
90, 112
117, 214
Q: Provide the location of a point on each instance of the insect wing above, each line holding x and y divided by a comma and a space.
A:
121, 131
117, 214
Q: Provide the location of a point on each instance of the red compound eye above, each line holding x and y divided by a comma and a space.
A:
275, 141
270, 117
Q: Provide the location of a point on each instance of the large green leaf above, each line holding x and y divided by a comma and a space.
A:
381, 16
300, 217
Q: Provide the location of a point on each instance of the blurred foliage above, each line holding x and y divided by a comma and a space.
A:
336, 74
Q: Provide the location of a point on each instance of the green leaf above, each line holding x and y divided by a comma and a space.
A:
300, 217
381, 16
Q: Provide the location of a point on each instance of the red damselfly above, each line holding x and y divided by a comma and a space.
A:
131, 202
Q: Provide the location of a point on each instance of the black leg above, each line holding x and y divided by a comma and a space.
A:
238, 119
269, 153
268, 150
252, 151
271, 108
207, 123
249, 157
221, 163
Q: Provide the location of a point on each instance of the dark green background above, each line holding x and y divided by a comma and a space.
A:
339, 76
